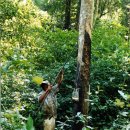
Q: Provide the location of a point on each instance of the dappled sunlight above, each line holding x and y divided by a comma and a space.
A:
35, 45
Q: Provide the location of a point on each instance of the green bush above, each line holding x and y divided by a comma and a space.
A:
32, 46
109, 73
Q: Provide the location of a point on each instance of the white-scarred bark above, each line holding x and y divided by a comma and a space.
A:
84, 53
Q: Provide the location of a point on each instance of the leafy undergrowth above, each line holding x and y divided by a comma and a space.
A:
110, 75
33, 47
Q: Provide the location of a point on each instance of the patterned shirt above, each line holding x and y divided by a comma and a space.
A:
50, 104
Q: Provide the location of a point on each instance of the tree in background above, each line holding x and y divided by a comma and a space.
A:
128, 8
67, 14
124, 7
111, 9
77, 14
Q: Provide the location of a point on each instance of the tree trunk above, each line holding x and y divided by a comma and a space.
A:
128, 15
77, 14
67, 14
84, 55
96, 5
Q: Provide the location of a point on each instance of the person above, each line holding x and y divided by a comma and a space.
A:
48, 99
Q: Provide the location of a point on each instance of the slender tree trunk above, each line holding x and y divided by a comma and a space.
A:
128, 16
96, 5
77, 15
84, 55
67, 14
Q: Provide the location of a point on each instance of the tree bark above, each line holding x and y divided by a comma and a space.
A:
67, 14
84, 56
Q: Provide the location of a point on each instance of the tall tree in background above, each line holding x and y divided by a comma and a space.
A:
84, 55
96, 14
128, 15
67, 14
77, 14
126, 12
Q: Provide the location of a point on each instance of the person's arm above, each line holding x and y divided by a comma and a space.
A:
43, 96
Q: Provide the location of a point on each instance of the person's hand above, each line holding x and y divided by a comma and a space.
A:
60, 79
49, 87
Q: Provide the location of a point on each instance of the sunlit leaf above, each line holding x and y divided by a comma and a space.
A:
119, 103
124, 113
38, 80
128, 105
128, 97
122, 94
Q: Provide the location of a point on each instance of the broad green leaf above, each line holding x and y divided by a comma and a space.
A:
29, 124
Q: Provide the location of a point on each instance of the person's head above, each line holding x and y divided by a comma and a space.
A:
45, 85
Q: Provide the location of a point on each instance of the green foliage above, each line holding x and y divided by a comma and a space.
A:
109, 73
29, 125
31, 46
12, 120
56, 8
108, 7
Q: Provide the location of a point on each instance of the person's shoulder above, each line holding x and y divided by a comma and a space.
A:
41, 92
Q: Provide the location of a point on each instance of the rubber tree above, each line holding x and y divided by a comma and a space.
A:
84, 57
